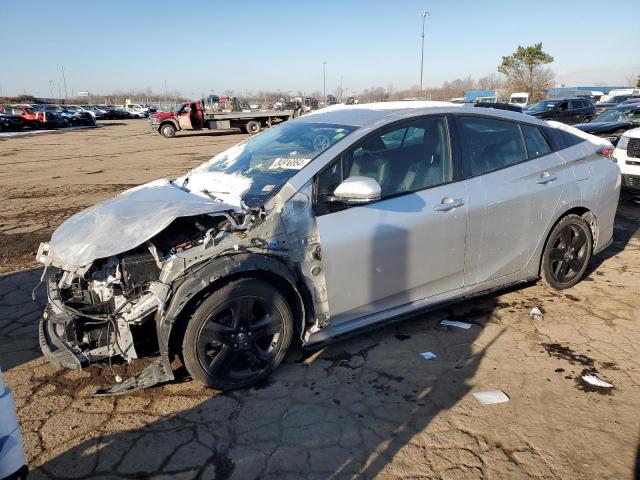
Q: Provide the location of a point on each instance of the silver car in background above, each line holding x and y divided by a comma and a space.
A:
336, 221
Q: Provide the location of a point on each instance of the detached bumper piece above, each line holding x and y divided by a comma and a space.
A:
158, 372
55, 348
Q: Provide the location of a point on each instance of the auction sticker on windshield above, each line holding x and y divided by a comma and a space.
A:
289, 163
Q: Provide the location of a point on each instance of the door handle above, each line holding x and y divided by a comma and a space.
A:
448, 203
545, 178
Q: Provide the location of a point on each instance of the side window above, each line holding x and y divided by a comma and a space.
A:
535, 141
563, 107
576, 104
412, 157
491, 144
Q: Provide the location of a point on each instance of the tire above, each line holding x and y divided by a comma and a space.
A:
567, 252
238, 335
167, 130
253, 127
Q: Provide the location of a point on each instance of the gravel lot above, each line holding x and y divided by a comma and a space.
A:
363, 408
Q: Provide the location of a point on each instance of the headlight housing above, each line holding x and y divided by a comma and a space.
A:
623, 142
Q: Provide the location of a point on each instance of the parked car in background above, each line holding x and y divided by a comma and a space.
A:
134, 112
78, 116
627, 154
12, 459
11, 123
97, 112
613, 102
26, 112
48, 116
614, 122
342, 219
520, 99
569, 111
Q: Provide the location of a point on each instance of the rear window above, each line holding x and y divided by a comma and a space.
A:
559, 139
536, 143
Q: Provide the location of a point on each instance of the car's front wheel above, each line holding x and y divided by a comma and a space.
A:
168, 130
238, 335
567, 252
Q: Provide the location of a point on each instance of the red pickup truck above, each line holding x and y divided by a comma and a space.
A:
193, 115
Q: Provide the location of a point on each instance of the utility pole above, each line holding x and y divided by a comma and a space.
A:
1, 94
324, 83
64, 80
340, 88
59, 92
51, 88
424, 14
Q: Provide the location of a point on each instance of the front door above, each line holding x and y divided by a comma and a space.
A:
410, 244
184, 117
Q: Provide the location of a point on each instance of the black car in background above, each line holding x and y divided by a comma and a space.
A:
613, 102
565, 110
11, 123
614, 122
77, 116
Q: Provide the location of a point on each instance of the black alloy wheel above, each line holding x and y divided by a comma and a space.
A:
567, 252
238, 335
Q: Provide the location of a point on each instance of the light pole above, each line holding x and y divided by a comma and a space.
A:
324, 82
51, 88
424, 14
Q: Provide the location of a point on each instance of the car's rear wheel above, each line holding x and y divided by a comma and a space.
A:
168, 130
567, 252
238, 335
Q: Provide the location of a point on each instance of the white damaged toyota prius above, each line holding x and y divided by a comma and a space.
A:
324, 225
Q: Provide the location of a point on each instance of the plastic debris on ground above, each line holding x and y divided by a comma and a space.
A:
536, 313
491, 396
428, 355
453, 323
596, 381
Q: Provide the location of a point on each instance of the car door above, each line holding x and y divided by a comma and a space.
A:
514, 185
405, 247
578, 111
184, 117
562, 113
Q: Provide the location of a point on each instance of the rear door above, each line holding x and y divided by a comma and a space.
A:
514, 183
410, 244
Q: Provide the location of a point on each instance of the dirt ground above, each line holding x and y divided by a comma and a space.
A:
368, 407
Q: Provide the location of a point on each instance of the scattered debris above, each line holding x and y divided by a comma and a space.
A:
428, 355
118, 379
536, 313
596, 381
565, 353
491, 396
402, 337
453, 323
94, 172
312, 358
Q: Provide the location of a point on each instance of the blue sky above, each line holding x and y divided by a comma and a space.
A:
210, 46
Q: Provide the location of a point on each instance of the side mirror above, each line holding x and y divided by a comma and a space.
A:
357, 190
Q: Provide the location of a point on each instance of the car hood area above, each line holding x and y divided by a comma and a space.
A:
603, 127
130, 219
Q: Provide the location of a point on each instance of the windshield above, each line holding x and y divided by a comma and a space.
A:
622, 115
543, 106
178, 108
258, 167
518, 100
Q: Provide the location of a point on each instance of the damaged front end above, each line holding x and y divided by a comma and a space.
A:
113, 307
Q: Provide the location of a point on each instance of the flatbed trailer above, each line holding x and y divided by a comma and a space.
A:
193, 116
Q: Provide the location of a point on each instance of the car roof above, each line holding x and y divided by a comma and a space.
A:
363, 115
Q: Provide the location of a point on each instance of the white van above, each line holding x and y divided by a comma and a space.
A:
520, 99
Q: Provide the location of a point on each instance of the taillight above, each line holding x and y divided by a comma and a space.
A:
606, 151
